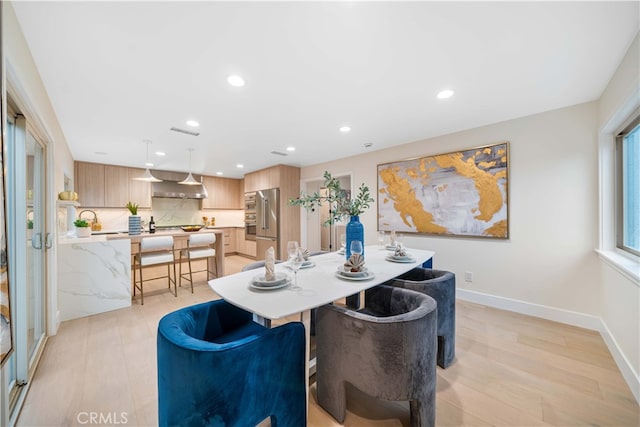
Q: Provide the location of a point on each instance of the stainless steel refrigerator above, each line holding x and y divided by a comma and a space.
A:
267, 216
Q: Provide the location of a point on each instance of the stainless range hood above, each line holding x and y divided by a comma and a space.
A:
170, 188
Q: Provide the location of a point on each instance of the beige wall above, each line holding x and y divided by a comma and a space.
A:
549, 258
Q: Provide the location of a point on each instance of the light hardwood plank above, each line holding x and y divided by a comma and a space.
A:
511, 370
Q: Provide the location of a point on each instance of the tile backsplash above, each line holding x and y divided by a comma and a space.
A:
165, 212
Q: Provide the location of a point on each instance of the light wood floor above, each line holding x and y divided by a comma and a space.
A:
511, 370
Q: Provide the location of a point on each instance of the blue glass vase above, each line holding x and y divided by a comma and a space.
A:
354, 231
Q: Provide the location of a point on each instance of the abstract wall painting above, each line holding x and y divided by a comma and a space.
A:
463, 193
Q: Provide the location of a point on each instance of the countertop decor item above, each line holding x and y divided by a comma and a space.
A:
133, 208
83, 228
191, 228
68, 195
135, 222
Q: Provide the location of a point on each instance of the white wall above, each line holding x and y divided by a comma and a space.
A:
620, 296
548, 259
20, 66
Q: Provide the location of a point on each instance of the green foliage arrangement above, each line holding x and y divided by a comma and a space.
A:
80, 223
133, 208
342, 205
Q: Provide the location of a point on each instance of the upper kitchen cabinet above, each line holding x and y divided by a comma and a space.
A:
139, 191
89, 184
264, 179
107, 186
223, 193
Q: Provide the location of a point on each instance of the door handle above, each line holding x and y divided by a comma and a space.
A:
265, 212
36, 241
48, 241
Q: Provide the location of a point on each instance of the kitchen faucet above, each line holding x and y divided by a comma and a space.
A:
95, 217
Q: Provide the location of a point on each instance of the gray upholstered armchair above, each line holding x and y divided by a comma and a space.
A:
387, 350
441, 286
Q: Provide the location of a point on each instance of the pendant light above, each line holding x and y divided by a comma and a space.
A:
189, 180
146, 176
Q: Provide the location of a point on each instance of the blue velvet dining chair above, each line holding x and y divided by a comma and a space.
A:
216, 367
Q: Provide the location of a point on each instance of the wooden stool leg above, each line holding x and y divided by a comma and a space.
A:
190, 272
141, 290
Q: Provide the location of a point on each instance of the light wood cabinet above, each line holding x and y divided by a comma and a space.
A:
229, 240
287, 179
116, 186
89, 184
139, 191
223, 193
107, 186
243, 246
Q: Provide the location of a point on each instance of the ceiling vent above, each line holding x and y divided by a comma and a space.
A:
188, 132
279, 153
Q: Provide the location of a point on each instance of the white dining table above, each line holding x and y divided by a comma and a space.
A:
316, 286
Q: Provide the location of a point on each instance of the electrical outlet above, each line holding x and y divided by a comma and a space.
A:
468, 276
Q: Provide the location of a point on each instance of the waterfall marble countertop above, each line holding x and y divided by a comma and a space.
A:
94, 276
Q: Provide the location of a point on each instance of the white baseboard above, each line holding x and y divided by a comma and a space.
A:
563, 316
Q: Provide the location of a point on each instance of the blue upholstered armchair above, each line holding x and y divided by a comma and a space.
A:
216, 367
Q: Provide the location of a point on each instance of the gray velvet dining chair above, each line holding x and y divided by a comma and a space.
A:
387, 350
441, 286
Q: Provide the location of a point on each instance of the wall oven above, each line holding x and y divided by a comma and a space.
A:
250, 216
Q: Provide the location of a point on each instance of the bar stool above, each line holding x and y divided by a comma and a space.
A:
154, 251
199, 246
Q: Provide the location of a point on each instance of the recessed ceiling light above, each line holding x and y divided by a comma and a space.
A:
235, 80
444, 94
149, 164
160, 153
345, 129
192, 123
291, 148
100, 153
239, 166
219, 173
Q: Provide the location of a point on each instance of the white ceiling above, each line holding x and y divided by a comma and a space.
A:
118, 73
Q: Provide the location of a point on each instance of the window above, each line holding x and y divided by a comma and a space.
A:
628, 188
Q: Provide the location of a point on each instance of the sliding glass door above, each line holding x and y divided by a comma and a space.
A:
28, 241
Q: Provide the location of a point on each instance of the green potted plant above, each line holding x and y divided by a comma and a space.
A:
342, 207
135, 223
83, 228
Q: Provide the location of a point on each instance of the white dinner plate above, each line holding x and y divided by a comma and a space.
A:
367, 276
269, 288
263, 283
307, 264
390, 247
352, 274
404, 259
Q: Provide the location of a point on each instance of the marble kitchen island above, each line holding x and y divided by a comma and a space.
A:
94, 276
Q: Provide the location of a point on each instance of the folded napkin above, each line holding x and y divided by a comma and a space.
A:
269, 265
400, 251
305, 254
355, 263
